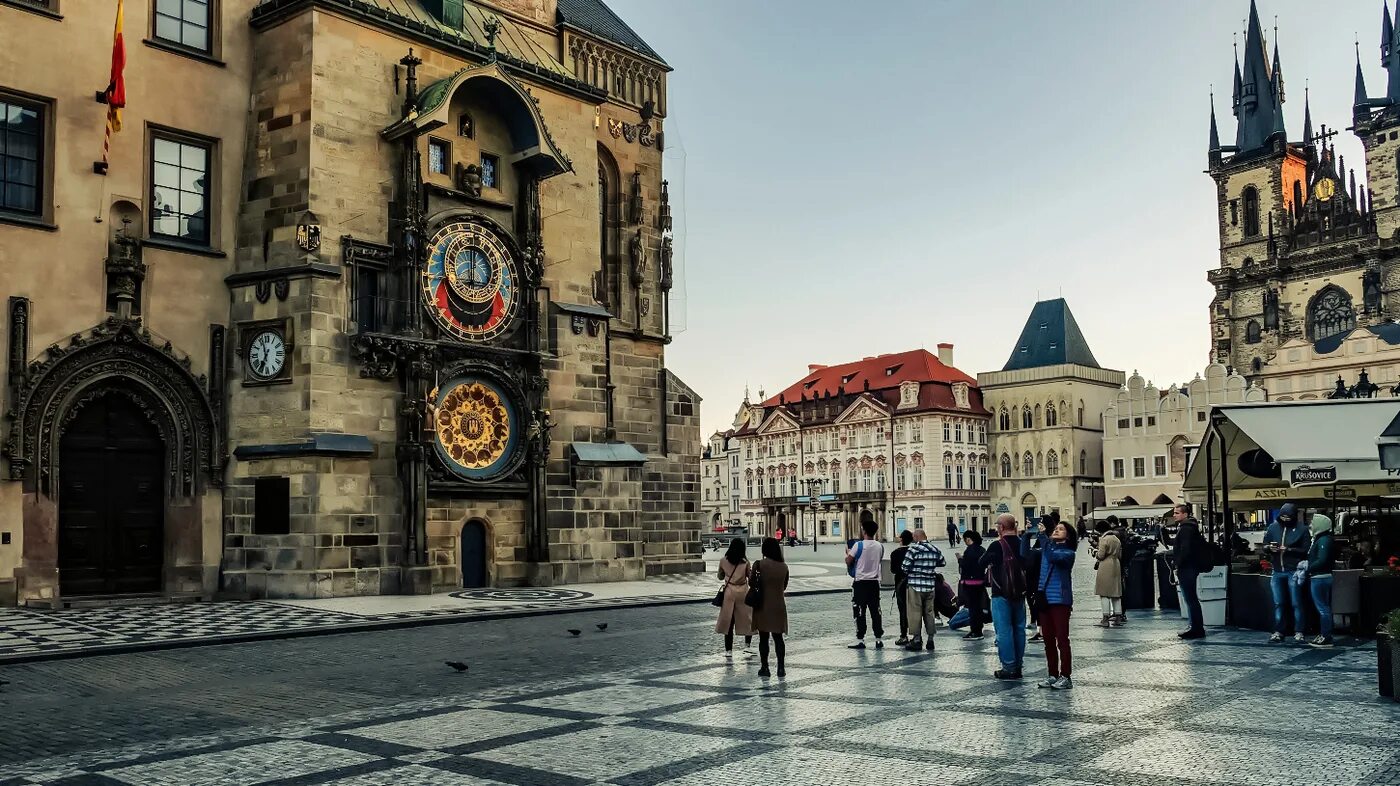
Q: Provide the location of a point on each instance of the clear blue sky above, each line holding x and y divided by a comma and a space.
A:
874, 177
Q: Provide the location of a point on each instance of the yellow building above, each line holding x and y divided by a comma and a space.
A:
372, 298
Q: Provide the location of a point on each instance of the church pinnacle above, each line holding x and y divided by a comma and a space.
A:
1259, 101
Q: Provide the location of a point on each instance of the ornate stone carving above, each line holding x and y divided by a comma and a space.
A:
541, 424
636, 251
1371, 291
634, 204
118, 354
263, 290
19, 345
664, 222
282, 286
469, 179
377, 354
218, 369
667, 273
125, 271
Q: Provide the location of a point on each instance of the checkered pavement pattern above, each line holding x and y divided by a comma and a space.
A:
1147, 710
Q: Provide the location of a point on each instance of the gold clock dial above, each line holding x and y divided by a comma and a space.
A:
1324, 189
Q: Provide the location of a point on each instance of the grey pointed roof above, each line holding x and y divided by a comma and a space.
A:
1051, 337
595, 17
1260, 105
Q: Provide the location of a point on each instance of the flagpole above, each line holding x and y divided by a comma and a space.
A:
114, 96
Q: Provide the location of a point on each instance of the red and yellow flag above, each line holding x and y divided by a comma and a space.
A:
116, 87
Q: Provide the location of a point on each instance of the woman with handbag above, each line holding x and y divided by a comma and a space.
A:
1108, 582
972, 585
734, 615
770, 579
1053, 595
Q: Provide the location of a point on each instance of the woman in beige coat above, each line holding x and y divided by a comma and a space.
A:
770, 619
734, 615
1108, 583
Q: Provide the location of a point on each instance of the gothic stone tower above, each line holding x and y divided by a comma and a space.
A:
1301, 261
450, 336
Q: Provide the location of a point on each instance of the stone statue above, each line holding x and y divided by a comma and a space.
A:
638, 255
667, 277
469, 179
1271, 309
1371, 291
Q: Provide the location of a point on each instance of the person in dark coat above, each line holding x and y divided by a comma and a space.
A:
770, 619
952, 534
901, 583
972, 585
1188, 552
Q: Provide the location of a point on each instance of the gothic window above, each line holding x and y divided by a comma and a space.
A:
1037, 416
180, 207
1039, 463
1251, 211
1028, 464
1004, 420
1052, 463
1330, 314
21, 145
1083, 462
1005, 466
1251, 332
1051, 419
1297, 197
1026, 417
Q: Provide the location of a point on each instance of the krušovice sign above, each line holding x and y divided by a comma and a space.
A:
1306, 475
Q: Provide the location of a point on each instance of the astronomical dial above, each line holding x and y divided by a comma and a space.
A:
471, 284
477, 427
267, 354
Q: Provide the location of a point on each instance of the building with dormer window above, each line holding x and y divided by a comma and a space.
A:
903, 436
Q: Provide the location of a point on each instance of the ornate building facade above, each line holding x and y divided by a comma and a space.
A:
375, 301
1307, 245
719, 488
1147, 430
903, 436
1047, 406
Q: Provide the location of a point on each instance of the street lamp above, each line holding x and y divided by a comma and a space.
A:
814, 491
1388, 446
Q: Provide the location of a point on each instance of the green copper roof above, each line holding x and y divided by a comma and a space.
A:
1051, 337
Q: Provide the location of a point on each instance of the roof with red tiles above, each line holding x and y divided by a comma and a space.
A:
885, 372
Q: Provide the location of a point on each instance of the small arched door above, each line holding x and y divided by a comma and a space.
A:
111, 535
1028, 508
474, 554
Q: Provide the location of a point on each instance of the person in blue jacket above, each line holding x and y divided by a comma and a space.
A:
1054, 586
1286, 544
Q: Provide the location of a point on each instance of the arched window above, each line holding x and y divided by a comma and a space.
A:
1052, 463
1028, 464
1251, 211
1080, 421
1037, 416
1297, 198
609, 210
1083, 462
1004, 420
1330, 313
1051, 419
1026, 417
1005, 466
1256, 364
1251, 332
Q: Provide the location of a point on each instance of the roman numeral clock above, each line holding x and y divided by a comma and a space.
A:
265, 353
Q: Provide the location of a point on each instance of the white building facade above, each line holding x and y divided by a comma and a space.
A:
719, 465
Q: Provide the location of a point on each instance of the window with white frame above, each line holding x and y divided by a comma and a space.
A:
1139, 467
1159, 466
982, 475
918, 477
1118, 469
960, 476
915, 432
947, 431
865, 480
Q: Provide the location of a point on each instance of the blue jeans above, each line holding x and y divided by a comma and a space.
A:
1193, 600
1009, 619
1286, 594
1322, 598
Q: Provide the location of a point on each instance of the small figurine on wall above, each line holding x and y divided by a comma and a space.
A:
469, 179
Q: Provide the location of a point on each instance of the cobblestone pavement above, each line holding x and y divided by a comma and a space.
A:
649, 701
29, 634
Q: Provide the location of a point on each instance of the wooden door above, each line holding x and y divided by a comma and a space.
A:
473, 554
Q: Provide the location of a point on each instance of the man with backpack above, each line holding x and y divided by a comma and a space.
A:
1006, 576
1191, 555
920, 573
863, 562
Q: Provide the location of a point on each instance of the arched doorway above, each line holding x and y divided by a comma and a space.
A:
474, 554
1028, 508
111, 502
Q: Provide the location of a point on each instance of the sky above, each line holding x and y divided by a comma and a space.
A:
859, 178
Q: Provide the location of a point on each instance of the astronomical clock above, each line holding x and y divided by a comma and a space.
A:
471, 283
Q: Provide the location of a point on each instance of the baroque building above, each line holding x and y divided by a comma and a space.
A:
1047, 406
370, 298
1304, 293
719, 489
903, 436
1147, 431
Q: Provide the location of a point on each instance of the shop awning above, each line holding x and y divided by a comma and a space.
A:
1131, 512
1295, 450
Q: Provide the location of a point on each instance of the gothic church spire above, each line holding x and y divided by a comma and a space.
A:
1260, 110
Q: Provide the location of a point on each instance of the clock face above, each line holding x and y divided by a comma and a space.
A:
1324, 189
477, 427
471, 284
267, 353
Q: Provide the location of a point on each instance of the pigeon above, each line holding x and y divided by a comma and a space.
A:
602, 626
574, 631
456, 666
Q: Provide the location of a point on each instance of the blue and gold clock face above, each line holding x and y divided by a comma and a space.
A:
471, 284
477, 426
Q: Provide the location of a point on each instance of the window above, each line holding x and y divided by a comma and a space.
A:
1151, 420
915, 432
947, 476
957, 432
1083, 462
707, 495
1251, 332
982, 473
1139, 467
1137, 422
369, 309
490, 171
1201, 416
1028, 465
960, 476
901, 478
1052, 463
1123, 422
21, 160
180, 207
880, 480
466, 128
947, 428
748, 484
899, 432
1051, 419
1118, 469
918, 477
439, 153
865, 480
1251, 211
1330, 314
1159, 465
183, 23
1005, 466
1004, 421
1026, 418
272, 506
748, 451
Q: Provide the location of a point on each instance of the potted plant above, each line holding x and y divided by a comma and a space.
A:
1388, 654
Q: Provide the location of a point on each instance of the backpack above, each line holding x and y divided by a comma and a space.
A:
851, 568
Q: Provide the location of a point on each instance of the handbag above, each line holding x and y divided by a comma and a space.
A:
1037, 598
754, 597
718, 602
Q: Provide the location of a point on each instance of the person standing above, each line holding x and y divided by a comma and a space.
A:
1006, 578
770, 618
734, 615
1031, 552
972, 583
1188, 552
921, 565
865, 559
952, 534
1321, 556
1055, 589
1108, 582
901, 584
1286, 543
